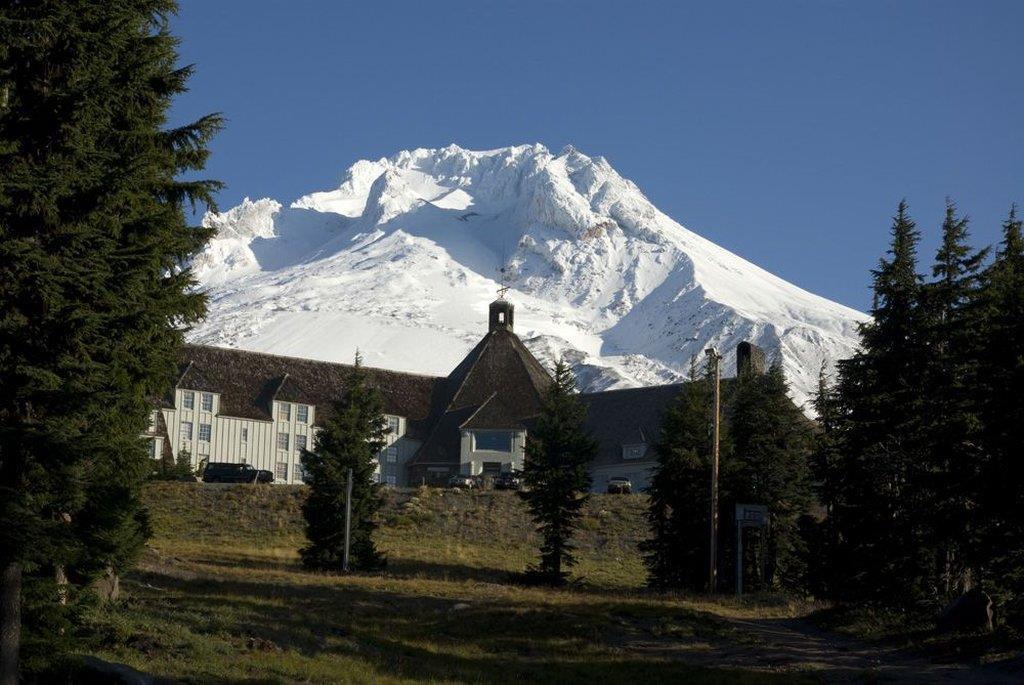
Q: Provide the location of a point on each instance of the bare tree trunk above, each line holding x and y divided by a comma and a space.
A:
109, 586
10, 623
60, 573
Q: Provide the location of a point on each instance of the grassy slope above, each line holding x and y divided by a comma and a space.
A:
220, 597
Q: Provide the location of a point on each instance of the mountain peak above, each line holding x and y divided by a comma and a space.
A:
408, 249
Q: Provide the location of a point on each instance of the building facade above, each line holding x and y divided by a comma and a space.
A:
264, 410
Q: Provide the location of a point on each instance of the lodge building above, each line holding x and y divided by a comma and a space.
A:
262, 409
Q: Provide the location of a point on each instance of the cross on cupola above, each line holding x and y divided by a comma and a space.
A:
503, 279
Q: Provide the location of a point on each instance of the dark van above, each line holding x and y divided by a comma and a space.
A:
223, 472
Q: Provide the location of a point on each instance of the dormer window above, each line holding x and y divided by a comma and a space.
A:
635, 451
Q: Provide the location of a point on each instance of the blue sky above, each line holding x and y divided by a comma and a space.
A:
784, 131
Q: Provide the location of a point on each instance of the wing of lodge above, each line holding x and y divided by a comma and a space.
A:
237, 406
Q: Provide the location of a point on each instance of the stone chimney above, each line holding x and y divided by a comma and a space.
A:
749, 358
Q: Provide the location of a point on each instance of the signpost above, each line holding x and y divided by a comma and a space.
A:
747, 516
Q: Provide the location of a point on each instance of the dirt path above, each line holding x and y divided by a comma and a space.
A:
795, 645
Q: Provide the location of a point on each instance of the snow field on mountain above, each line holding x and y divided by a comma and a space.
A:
402, 258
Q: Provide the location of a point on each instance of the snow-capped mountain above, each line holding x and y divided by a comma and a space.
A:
403, 257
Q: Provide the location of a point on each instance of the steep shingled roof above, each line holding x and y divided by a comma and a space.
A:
622, 417
494, 413
634, 415
248, 382
498, 367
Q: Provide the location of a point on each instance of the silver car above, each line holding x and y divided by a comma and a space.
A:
619, 485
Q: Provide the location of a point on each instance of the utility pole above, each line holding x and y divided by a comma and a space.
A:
348, 520
714, 358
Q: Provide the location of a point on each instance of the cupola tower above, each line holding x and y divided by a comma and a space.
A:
501, 315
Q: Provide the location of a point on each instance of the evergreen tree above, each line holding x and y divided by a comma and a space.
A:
950, 414
555, 474
826, 458
174, 468
769, 463
880, 396
94, 296
1001, 380
827, 471
352, 438
676, 554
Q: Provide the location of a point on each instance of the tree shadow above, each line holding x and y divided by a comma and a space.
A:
432, 570
499, 640
253, 562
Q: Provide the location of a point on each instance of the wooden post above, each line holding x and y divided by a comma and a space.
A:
739, 557
714, 358
348, 520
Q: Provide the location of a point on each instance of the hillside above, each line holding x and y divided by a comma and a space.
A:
219, 597
401, 259
476, 534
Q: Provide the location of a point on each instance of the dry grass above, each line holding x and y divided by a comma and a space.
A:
220, 597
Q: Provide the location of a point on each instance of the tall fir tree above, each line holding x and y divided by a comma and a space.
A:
352, 438
880, 395
769, 464
555, 474
1001, 392
952, 450
826, 458
676, 553
827, 462
94, 295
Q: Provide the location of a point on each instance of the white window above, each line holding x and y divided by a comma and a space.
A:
634, 451
152, 422
300, 443
207, 400
188, 400
204, 432
285, 412
245, 434
302, 413
281, 470
186, 430
392, 454
393, 423
152, 449
282, 441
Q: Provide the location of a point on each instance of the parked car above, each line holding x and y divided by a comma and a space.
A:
223, 472
510, 480
619, 485
462, 482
